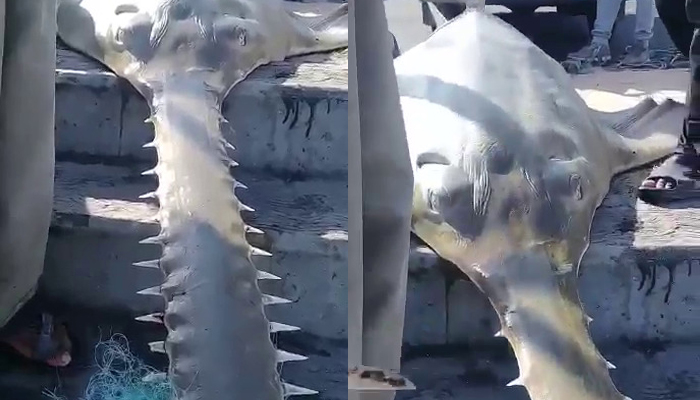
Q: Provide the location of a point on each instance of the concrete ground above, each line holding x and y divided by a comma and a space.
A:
647, 371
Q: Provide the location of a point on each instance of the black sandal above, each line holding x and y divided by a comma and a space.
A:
682, 171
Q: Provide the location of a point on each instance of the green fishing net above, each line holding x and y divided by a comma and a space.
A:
122, 376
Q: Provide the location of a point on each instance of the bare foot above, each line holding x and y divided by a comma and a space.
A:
676, 179
659, 183
48, 343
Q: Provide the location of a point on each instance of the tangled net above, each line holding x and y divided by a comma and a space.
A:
122, 376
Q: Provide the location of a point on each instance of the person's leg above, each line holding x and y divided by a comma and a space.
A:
638, 52
598, 51
606, 13
26, 172
644, 21
678, 178
672, 15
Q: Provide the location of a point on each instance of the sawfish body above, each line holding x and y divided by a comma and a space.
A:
509, 166
184, 56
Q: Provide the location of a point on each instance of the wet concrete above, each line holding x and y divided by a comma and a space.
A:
645, 371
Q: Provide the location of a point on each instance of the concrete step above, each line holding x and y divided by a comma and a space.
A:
288, 118
99, 219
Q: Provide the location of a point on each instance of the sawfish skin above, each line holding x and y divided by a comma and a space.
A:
184, 56
509, 166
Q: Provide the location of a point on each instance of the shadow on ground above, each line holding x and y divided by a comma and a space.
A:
20, 379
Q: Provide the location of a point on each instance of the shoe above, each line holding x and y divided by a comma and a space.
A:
637, 54
594, 53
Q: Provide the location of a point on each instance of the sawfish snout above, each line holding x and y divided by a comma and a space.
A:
543, 319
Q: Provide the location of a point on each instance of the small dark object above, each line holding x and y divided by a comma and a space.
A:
369, 378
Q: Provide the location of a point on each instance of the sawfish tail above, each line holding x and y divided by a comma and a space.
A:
542, 317
218, 339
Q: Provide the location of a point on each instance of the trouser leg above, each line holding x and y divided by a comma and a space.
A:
387, 187
26, 147
606, 13
691, 132
644, 20
673, 16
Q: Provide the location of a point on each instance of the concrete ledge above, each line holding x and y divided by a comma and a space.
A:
99, 220
289, 117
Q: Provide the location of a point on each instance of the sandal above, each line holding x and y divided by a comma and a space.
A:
680, 177
48, 343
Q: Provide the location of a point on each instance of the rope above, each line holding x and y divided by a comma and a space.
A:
122, 376
658, 59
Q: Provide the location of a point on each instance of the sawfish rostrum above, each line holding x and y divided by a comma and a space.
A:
184, 56
510, 165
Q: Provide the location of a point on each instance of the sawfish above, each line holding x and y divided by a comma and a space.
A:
183, 57
509, 167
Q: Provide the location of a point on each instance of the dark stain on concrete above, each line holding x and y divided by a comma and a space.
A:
648, 265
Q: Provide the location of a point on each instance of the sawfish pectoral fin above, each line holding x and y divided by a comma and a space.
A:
330, 32
76, 27
542, 318
644, 133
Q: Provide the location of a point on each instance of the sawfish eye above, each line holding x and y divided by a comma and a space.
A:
233, 30
237, 34
118, 39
